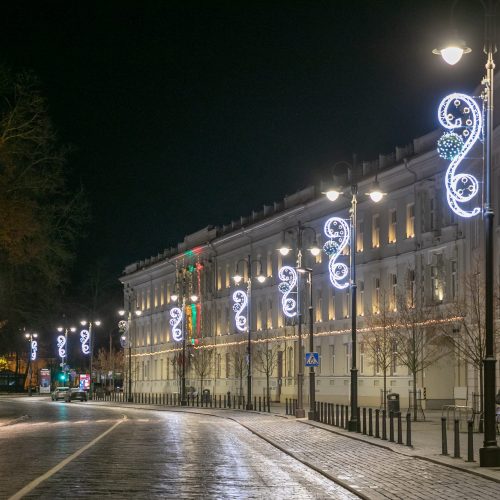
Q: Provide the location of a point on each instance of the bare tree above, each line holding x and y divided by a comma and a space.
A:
266, 360
379, 340
240, 364
467, 335
418, 341
201, 361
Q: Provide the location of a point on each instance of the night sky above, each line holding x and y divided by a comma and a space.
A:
185, 114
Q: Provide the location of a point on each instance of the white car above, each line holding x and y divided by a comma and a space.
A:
59, 393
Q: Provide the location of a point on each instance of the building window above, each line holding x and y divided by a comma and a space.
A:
290, 364
376, 296
394, 291
347, 351
432, 214
436, 277
394, 357
228, 365
453, 279
319, 306
410, 299
217, 368
376, 231
318, 369
332, 358
410, 220
331, 304
228, 276
361, 298
360, 236
392, 225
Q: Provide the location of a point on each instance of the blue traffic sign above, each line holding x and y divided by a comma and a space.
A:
312, 359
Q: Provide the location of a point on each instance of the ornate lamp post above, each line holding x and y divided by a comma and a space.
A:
86, 338
32, 338
461, 113
126, 339
242, 302
340, 233
62, 345
177, 322
291, 278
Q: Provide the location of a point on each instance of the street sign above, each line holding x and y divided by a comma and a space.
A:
312, 359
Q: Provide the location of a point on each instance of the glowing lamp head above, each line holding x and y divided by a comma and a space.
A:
97, 323
27, 335
83, 322
237, 278
375, 193
72, 329
194, 297
174, 297
35, 335
261, 278
315, 250
123, 337
121, 312
333, 194
60, 328
138, 312
453, 51
284, 250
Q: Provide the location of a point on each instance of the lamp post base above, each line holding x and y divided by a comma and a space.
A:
249, 406
489, 456
184, 402
352, 426
300, 413
130, 399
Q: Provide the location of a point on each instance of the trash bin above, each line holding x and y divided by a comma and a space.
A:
393, 402
205, 396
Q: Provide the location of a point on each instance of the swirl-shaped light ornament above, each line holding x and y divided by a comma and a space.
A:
34, 349
61, 345
85, 339
175, 321
288, 277
459, 113
338, 231
240, 299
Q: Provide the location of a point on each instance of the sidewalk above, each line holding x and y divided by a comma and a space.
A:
371, 468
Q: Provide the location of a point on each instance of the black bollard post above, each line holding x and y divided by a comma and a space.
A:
444, 440
342, 416
337, 415
255, 403
408, 429
370, 422
391, 426
260, 404
456, 433
286, 406
268, 405
330, 414
364, 421
400, 429
470, 441
384, 425
346, 417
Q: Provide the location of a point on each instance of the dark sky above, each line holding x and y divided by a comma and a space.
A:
186, 114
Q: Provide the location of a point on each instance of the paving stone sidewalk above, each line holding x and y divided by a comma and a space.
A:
373, 470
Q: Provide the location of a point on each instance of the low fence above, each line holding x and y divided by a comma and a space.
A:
260, 403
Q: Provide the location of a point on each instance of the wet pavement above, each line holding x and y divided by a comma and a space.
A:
61, 450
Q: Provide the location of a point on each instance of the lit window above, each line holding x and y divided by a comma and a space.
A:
410, 220
376, 231
360, 236
392, 226
376, 296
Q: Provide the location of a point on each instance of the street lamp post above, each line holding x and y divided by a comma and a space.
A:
285, 250
237, 279
91, 339
62, 344
178, 318
31, 337
489, 454
126, 338
376, 195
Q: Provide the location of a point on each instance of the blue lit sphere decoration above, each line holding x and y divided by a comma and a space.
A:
450, 145
283, 287
330, 247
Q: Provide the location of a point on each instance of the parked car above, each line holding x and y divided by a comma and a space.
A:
59, 393
76, 393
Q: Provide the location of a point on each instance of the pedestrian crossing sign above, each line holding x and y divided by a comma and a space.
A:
312, 359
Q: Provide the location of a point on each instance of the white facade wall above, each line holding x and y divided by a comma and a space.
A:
411, 230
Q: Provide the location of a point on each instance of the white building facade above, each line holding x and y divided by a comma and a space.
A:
409, 244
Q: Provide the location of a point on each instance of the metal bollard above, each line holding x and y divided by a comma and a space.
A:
364, 421
255, 403
408, 429
331, 414
400, 429
346, 417
358, 415
342, 416
370, 422
470, 441
384, 425
456, 433
337, 415
286, 406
